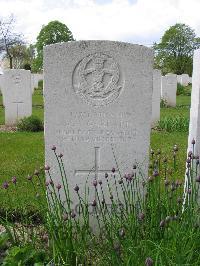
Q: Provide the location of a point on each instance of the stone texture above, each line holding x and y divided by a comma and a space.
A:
156, 96
168, 89
17, 95
98, 98
194, 128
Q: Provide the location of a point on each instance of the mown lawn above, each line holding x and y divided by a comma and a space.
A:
22, 152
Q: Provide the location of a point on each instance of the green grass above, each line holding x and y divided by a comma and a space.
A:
21, 152
37, 97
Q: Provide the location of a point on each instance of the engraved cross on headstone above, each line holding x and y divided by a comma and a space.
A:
17, 107
96, 169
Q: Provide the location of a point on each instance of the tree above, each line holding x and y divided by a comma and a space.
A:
174, 52
8, 38
21, 55
53, 32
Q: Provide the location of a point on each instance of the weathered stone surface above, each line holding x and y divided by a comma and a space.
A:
168, 89
98, 98
156, 96
194, 128
17, 95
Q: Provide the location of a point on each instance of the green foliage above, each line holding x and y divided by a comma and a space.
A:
163, 103
24, 256
182, 90
174, 124
40, 84
174, 52
31, 123
148, 221
53, 32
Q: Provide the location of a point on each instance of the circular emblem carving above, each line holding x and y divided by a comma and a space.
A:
96, 79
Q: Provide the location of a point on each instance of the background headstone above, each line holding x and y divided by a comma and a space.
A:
156, 96
98, 99
185, 79
179, 79
17, 95
35, 78
168, 89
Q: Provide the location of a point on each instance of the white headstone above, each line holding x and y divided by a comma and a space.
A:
35, 78
194, 128
156, 96
17, 95
168, 89
185, 79
98, 98
179, 79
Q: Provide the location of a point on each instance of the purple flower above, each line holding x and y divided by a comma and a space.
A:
193, 142
190, 154
95, 182
149, 262
29, 177
53, 148
155, 173
100, 182
162, 223
141, 216
14, 180
120, 181
134, 166
76, 188
73, 214
58, 186
103, 201
152, 152
94, 203
188, 160
167, 182
47, 168
165, 160
51, 182
65, 217
5, 185
175, 148
46, 183
106, 175
121, 232
36, 172
60, 155
113, 170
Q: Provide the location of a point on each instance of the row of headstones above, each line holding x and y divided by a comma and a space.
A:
165, 87
98, 102
17, 86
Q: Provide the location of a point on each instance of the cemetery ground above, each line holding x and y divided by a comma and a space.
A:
23, 152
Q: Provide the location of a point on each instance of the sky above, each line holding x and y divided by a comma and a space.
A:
135, 21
